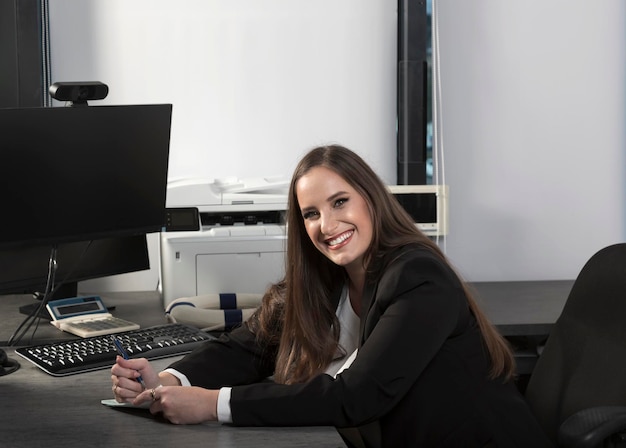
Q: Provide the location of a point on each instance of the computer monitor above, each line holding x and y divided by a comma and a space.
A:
79, 174
25, 269
82, 173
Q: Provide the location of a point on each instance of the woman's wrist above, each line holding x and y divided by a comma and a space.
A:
213, 395
167, 379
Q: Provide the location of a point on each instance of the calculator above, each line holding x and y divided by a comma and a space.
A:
86, 316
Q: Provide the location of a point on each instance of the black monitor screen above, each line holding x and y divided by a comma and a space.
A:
421, 207
25, 269
82, 173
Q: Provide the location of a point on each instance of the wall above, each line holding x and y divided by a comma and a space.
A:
254, 83
532, 105
533, 134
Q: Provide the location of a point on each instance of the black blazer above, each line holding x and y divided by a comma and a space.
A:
420, 378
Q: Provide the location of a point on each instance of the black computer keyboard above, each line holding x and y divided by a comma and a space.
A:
98, 352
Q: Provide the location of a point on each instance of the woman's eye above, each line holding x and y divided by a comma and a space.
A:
309, 215
339, 202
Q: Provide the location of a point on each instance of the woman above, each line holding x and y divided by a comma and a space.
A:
371, 331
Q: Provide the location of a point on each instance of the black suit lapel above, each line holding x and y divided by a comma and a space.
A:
369, 291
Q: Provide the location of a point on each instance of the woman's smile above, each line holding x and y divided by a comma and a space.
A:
340, 241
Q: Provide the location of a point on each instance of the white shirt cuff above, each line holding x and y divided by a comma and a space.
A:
223, 398
348, 363
223, 406
181, 377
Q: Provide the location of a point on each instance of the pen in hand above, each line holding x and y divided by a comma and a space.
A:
120, 349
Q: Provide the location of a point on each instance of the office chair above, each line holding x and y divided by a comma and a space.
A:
577, 389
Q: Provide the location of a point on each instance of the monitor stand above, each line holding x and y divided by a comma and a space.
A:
64, 291
7, 365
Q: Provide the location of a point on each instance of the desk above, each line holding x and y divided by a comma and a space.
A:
41, 410
524, 308
524, 313
143, 307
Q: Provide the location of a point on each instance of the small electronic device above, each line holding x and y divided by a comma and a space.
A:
78, 92
86, 316
427, 205
182, 219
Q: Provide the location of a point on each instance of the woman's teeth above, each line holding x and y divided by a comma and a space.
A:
340, 239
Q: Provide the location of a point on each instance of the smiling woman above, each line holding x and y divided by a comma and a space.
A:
363, 286
336, 218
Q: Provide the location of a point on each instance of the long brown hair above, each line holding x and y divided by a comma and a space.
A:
310, 330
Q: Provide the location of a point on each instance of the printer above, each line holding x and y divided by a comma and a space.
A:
234, 243
236, 240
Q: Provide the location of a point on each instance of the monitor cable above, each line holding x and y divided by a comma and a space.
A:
33, 316
49, 292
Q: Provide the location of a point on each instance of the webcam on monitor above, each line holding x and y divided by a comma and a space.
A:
78, 93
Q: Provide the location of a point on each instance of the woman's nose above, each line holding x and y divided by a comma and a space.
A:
328, 224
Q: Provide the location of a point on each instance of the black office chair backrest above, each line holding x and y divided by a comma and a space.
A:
583, 363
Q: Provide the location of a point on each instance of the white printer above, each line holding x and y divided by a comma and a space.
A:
240, 239
240, 242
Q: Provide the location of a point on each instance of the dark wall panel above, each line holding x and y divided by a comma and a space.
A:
20, 53
412, 97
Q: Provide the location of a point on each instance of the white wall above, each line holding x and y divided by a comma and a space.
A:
254, 84
532, 100
533, 125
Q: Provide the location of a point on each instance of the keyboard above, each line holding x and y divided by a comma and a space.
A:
98, 352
